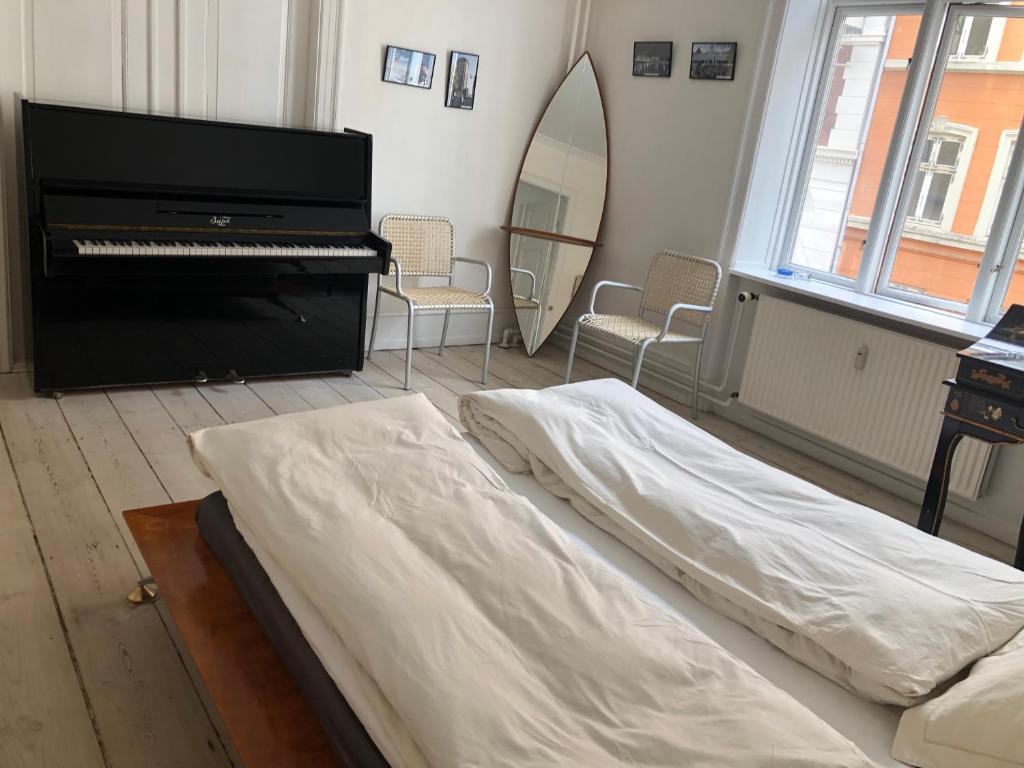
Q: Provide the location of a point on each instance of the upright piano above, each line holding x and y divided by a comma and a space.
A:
984, 401
165, 249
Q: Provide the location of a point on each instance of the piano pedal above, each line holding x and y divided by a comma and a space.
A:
56, 395
233, 375
200, 377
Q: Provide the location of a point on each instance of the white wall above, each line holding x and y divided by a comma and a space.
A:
312, 63
462, 164
675, 144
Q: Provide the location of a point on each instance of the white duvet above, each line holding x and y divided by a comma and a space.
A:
872, 603
494, 638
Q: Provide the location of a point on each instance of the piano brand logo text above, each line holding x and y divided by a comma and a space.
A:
220, 221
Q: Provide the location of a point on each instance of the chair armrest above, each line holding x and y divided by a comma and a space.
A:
484, 264
609, 284
396, 270
533, 281
677, 308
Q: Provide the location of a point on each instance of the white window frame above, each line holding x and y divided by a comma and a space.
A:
992, 43
839, 11
1000, 172
920, 95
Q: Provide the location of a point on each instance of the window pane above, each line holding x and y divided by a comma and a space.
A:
936, 198
865, 83
975, 118
948, 152
977, 40
1016, 293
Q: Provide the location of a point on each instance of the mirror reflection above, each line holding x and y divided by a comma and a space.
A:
559, 203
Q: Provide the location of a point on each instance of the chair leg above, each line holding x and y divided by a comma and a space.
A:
408, 346
444, 331
572, 352
487, 340
638, 359
696, 380
373, 327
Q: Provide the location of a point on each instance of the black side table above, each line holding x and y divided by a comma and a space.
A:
984, 416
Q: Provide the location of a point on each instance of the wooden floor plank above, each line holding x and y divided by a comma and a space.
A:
352, 388
316, 392
428, 362
499, 368
162, 443
458, 365
234, 402
146, 709
278, 395
187, 407
124, 477
44, 720
443, 398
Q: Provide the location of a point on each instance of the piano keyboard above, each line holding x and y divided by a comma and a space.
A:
210, 248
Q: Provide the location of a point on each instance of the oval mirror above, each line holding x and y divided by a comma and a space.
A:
558, 205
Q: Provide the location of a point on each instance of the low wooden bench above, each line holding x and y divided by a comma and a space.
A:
269, 721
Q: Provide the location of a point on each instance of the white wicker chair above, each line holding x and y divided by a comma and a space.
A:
680, 287
424, 246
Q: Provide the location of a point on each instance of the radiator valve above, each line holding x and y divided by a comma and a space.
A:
860, 360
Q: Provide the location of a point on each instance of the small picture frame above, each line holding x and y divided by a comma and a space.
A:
408, 67
652, 59
462, 72
713, 61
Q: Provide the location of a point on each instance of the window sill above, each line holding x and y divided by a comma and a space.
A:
875, 306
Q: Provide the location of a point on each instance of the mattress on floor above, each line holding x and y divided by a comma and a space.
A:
496, 639
345, 733
870, 726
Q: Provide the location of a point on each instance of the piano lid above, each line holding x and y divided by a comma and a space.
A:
88, 150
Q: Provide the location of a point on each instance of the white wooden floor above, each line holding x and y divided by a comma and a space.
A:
88, 680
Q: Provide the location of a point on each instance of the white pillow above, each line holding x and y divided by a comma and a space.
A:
978, 723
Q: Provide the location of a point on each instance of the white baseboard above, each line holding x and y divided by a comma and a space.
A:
463, 329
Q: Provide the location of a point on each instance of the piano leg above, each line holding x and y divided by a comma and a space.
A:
373, 326
938, 480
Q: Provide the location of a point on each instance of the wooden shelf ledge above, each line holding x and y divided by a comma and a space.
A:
557, 237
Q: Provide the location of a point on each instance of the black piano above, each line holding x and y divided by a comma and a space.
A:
170, 250
985, 401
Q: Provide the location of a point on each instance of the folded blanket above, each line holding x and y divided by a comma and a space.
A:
494, 638
874, 604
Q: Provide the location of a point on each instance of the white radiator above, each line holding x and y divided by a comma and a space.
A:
801, 369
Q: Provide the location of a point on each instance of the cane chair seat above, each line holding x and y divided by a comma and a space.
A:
442, 297
681, 290
521, 302
634, 329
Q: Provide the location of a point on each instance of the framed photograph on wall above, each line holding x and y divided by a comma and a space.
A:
652, 59
713, 61
462, 69
408, 67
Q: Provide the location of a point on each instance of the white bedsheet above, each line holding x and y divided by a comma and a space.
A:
496, 640
874, 604
870, 726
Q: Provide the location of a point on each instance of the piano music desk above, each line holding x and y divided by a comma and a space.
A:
269, 721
